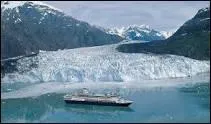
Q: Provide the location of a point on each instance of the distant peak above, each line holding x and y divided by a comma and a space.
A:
139, 32
144, 26
139, 26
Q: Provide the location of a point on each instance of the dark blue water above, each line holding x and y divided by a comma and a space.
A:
179, 104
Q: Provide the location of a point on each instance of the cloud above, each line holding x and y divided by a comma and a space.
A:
161, 15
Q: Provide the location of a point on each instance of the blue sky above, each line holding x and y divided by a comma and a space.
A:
160, 15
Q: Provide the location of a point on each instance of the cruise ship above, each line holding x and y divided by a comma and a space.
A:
84, 97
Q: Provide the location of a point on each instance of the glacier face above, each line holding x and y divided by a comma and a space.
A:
102, 64
124, 87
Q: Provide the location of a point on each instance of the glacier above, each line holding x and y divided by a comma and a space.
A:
102, 64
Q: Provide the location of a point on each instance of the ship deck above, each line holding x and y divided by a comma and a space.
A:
99, 100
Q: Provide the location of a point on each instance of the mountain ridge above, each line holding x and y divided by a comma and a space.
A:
192, 40
138, 32
28, 27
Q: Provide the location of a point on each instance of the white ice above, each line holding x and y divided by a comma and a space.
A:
14, 4
103, 64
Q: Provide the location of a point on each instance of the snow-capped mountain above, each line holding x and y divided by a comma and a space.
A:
142, 32
40, 5
30, 26
192, 40
199, 23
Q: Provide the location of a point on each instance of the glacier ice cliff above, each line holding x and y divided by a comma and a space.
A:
102, 64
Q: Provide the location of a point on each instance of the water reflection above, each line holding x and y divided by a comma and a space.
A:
200, 92
31, 109
184, 104
198, 88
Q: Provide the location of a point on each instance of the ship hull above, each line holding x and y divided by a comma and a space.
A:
97, 103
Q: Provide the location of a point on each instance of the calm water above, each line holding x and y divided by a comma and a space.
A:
176, 104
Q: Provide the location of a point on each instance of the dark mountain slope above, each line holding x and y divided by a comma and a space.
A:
192, 40
28, 27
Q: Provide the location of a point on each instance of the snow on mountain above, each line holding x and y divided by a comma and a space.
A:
30, 26
123, 30
118, 31
166, 34
204, 10
14, 4
102, 64
142, 32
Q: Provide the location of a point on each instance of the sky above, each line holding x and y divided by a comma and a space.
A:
159, 15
